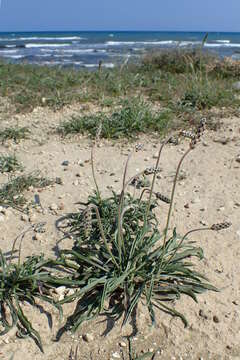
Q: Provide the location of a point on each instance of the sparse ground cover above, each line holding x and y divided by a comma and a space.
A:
94, 252
200, 80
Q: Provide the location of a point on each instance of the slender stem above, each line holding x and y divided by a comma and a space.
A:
121, 199
172, 196
142, 193
103, 235
183, 238
154, 179
16, 239
93, 172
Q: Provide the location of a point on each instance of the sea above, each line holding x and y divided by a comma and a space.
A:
86, 49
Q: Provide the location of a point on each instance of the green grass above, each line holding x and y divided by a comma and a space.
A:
135, 117
15, 134
159, 76
12, 193
21, 282
9, 163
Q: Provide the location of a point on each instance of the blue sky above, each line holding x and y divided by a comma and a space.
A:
46, 15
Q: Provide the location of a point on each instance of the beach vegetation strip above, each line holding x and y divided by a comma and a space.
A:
12, 192
163, 76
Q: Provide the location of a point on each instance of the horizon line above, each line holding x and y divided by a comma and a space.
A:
119, 31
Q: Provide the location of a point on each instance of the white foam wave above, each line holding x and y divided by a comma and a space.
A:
223, 41
227, 45
8, 51
59, 55
13, 56
82, 51
50, 63
189, 43
39, 38
106, 65
163, 42
45, 45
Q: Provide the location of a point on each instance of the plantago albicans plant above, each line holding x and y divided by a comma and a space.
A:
125, 258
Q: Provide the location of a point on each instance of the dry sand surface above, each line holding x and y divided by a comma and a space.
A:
208, 192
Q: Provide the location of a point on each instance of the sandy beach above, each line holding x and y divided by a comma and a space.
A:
207, 192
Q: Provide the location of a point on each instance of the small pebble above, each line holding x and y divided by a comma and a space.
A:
76, 183
53, 207
58, 181
61, 206
116, 355
238, 158
88, 337
65, 163
122, 344
195, 201
61, 291
216, 319
37, 237
24, 217
2, 209
202, 314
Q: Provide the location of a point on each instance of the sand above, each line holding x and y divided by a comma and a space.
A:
208, 192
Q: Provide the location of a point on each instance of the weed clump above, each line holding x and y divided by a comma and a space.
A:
19, 283
121, 257
178, 61
15, 134
9, 163
11, 193
134, 118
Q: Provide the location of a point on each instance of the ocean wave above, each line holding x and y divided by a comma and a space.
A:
63, 55
189, 43
39, 38
223, 41
12, 56
106, 65
12, 46
82, 51
45, 45
8, 51
224, 45
163, 42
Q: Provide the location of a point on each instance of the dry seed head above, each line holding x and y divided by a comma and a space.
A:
87, 221
221, 226
187, 134
151, 170
98, 133
163, 198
